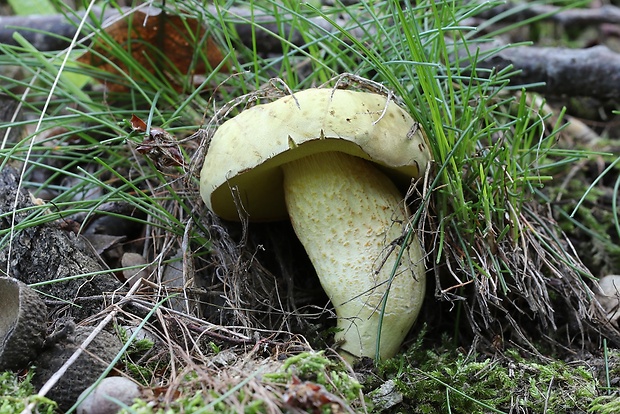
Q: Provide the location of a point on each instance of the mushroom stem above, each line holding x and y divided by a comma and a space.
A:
349, 216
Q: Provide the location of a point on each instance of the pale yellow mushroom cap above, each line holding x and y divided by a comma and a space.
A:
247, 150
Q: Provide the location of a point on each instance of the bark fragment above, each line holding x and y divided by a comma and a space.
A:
47, 253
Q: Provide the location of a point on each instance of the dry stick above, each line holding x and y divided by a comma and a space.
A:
188, 264
51, 32
63, 369
587, 72
591, 72
567, 17
234, 337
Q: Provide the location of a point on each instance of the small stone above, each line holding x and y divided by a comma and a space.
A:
608, 295
133, 260
386, 396
98, 401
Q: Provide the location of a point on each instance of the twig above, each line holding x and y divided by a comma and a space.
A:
204, 325
588, 72
48, 32
512, 12
201, 330
561, 71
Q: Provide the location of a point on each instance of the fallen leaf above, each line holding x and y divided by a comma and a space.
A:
164, 45
160, 146
311, 397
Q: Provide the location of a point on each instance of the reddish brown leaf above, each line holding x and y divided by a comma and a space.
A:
137, 124
163, 44
310, 396
160, 146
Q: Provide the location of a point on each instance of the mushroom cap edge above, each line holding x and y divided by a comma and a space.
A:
246, 151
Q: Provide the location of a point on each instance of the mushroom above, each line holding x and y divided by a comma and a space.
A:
332, 161
22, 323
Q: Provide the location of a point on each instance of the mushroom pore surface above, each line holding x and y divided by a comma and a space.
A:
349, 216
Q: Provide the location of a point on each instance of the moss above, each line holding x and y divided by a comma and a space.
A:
444, 380
307, 366
605, 405
316, 367
137, 350
196, 403
17, 393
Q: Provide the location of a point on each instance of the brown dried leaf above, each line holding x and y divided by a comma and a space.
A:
311, 397
160, 146
137, 124
163, 44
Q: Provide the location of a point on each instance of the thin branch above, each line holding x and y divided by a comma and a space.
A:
512, 12
591, 72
